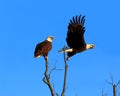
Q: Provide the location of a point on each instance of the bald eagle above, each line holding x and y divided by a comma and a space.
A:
43, 48
75, 37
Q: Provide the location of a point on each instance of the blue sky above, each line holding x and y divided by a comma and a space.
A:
24, 23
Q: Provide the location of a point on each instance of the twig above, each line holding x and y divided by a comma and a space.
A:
65, 74
118, 83
54, 69
46, 79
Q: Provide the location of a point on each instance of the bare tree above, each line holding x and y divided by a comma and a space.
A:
114, 86
46, 78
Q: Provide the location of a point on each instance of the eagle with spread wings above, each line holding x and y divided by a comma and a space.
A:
75, 37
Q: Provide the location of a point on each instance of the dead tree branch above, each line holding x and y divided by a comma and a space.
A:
54, 69
114, 86
46, 79
65, 74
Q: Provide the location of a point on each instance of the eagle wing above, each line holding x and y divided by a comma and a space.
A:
75, 34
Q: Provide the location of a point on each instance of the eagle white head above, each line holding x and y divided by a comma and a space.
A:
89, 46
49, 38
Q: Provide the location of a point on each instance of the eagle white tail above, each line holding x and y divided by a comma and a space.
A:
37, 56
66, 50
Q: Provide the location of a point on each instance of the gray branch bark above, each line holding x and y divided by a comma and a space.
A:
46, 79
65, 74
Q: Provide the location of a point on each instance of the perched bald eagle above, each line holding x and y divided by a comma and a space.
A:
43, 48
75, 37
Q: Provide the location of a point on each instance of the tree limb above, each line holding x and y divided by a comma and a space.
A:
46, 79
54, 69
65, 74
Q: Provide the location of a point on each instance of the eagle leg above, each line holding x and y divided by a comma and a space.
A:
46, 58
68, 58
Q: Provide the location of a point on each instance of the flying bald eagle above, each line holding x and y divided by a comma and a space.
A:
75, 37
43, 48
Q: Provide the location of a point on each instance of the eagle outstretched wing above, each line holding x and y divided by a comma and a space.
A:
75, 34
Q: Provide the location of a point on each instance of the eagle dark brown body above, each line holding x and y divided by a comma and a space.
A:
43, 48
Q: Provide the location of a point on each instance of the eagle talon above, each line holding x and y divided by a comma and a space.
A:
46, 58
68, 58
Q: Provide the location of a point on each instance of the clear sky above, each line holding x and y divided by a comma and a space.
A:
24, 23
